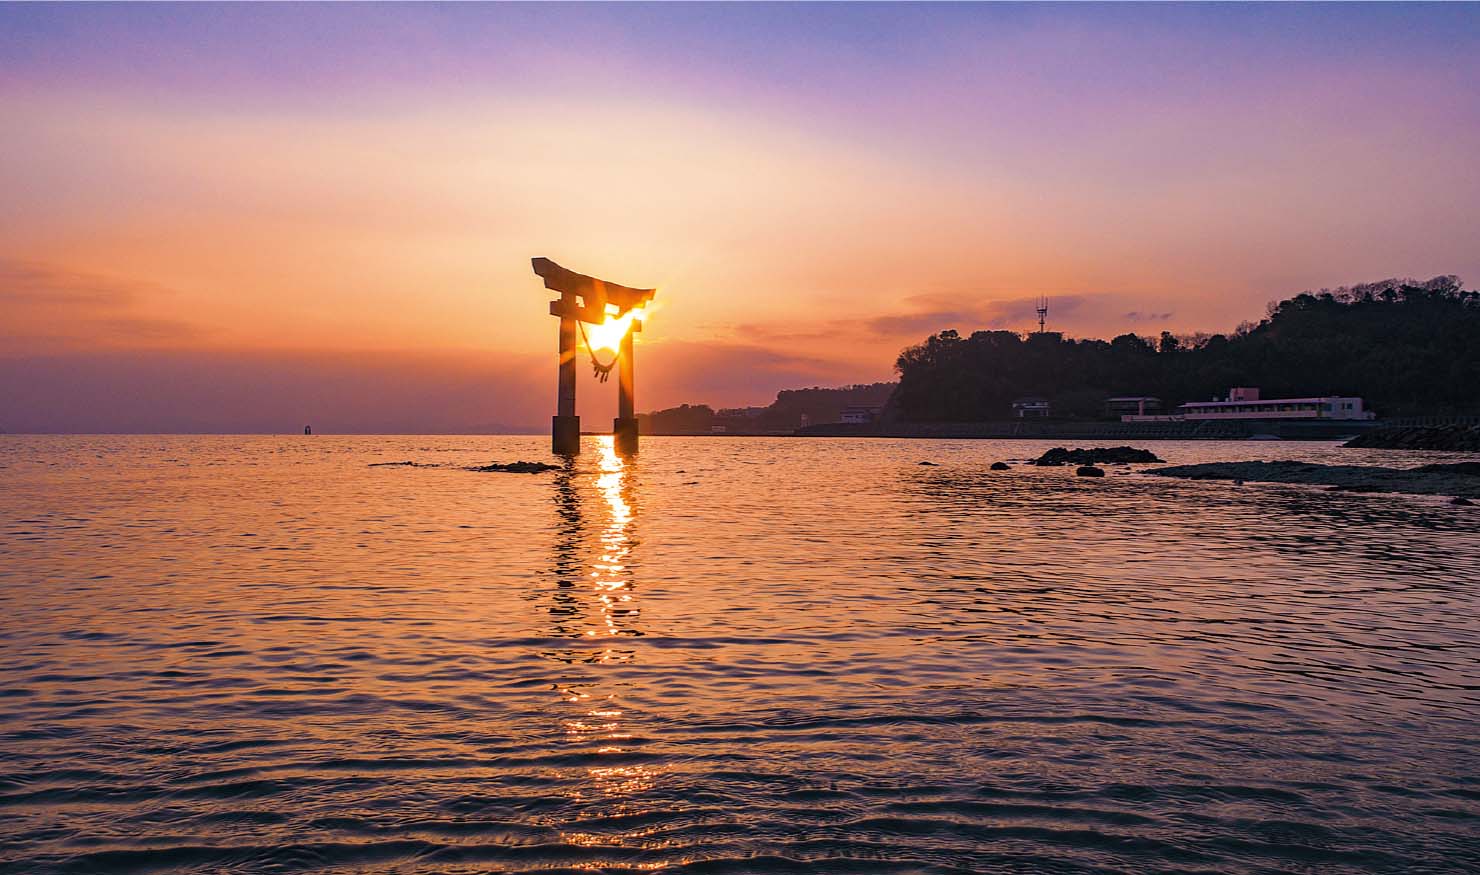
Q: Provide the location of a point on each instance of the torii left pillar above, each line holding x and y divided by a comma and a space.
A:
565, 425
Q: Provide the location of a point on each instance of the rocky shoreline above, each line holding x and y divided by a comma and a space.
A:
1455, 438
1461, 480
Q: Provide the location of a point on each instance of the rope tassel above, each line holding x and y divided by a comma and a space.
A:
603, 371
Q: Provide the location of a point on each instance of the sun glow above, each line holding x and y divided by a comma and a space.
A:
608, 335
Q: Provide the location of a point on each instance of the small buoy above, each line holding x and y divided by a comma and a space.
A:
308, 429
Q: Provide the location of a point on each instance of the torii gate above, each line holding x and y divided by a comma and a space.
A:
587, 299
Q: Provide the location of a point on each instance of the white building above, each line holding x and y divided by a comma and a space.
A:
1138, 405
1244, 403
862, 414
1031, 408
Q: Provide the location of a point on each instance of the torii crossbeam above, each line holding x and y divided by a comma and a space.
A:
588, 299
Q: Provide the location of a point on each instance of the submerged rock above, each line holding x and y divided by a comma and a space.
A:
402, 465
1095, 455
1089, 471
520, 467
1425, 480
931, 464
1462, 438
1000, 466
1462, 469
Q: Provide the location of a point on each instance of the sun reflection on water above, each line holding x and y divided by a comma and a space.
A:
608, 573
594, 594
603, 608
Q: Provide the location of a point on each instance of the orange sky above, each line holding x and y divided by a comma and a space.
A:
169, 203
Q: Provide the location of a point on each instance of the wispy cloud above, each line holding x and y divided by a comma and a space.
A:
1090, 313
49, 309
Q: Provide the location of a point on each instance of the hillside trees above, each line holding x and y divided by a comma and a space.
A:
1403, 345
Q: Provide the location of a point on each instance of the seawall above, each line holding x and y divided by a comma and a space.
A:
1294, 430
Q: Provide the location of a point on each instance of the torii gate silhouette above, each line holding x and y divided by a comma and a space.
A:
587, 299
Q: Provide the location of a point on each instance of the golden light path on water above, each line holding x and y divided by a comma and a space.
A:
613, 589
612, 586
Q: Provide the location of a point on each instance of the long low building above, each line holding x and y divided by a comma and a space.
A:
1245, 403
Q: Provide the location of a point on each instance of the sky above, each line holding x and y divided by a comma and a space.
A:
254, 217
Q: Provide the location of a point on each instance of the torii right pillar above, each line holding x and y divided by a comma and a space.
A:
624, 428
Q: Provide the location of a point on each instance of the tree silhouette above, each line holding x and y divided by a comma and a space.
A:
1405, 346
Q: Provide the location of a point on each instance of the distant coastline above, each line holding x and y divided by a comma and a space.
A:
1400, 347
1092, 430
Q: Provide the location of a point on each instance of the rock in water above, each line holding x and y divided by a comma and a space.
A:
1095, 455
1090, 471
931, 464
1000, 466
1459, 438
520, 467
1461, 469
1426, 480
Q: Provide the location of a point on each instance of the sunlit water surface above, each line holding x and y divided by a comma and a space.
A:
259, 654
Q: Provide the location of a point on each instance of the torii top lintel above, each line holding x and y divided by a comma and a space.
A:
595, 294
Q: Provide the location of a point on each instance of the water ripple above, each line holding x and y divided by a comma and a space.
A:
254, 655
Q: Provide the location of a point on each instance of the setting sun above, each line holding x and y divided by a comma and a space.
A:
608, 335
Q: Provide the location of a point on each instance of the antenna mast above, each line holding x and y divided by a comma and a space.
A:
1042, 313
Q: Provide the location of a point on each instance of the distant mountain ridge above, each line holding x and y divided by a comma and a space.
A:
792, 409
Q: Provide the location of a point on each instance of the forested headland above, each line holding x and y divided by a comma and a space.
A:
1407, 347
792, 409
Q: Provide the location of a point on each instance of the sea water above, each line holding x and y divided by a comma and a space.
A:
263, 654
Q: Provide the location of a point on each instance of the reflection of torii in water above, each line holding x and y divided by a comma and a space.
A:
593, 598
593, 606
585, 299
568, 566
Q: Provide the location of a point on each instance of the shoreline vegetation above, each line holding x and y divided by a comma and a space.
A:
1405, 346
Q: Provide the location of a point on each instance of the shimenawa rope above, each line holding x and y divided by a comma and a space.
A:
603, 371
